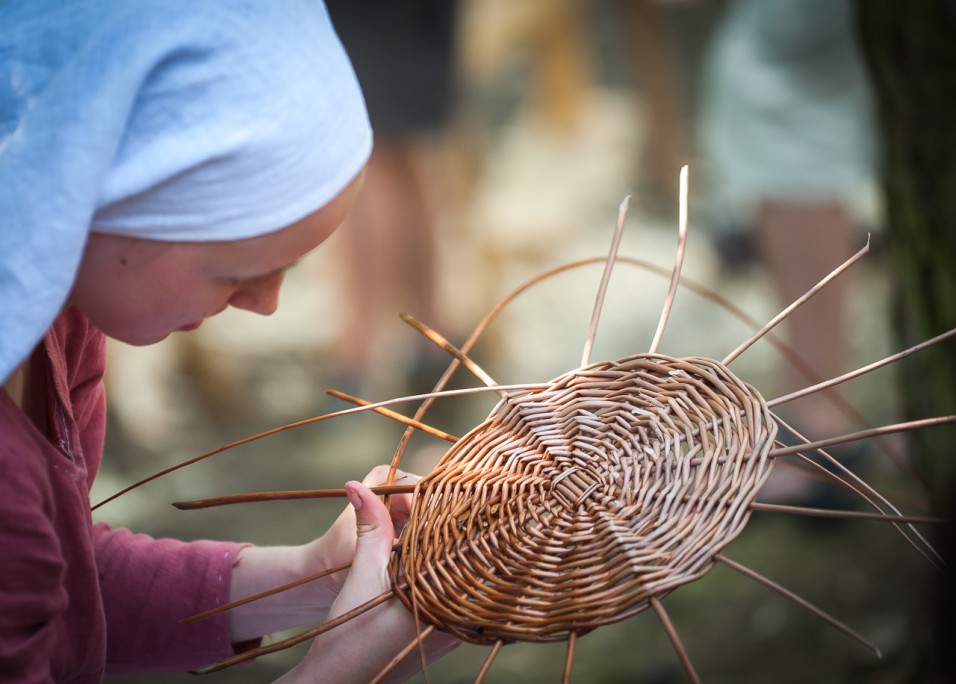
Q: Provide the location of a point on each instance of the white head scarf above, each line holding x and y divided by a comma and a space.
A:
182, 120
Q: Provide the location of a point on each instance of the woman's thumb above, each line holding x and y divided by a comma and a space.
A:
374, 536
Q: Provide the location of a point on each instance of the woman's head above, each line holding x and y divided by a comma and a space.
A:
163, 121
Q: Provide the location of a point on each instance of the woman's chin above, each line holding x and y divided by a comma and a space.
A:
141, 339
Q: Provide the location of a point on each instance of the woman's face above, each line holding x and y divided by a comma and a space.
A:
139, 291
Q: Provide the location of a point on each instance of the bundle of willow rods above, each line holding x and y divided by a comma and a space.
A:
573, 506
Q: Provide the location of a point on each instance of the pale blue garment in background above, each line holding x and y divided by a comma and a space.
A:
187, 120
786, 108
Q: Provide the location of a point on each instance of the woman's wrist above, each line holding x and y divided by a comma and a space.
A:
262, 569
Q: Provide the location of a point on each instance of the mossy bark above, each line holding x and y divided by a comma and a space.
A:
910, 50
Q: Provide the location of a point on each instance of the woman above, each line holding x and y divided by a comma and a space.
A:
159, 162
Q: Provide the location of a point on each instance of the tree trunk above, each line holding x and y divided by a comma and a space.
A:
911, 53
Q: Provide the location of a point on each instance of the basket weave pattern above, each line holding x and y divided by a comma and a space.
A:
571, 506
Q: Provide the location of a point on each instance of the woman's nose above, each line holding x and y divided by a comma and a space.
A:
260, 295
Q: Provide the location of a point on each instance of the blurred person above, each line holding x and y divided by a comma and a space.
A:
403, 54
161, 161
788, 148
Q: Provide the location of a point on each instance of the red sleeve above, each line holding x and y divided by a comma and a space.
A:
32, 596
148, 586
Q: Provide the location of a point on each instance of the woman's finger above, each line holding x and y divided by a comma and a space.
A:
373, 545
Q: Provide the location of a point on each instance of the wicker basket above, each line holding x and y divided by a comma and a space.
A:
571, 506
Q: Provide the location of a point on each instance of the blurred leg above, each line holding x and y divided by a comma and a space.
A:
799, 244
391, 250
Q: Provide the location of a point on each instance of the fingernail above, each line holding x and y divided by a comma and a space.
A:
353, 495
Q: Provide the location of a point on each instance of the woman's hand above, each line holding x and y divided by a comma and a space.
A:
359, 649
261, 568
337, 546
362, 535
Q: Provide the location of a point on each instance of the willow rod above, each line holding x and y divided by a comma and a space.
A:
291, 495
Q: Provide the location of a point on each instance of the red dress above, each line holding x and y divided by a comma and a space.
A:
78, 600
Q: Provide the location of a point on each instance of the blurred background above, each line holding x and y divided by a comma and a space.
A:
507, 135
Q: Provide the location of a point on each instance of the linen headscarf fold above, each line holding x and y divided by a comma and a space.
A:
179, 120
